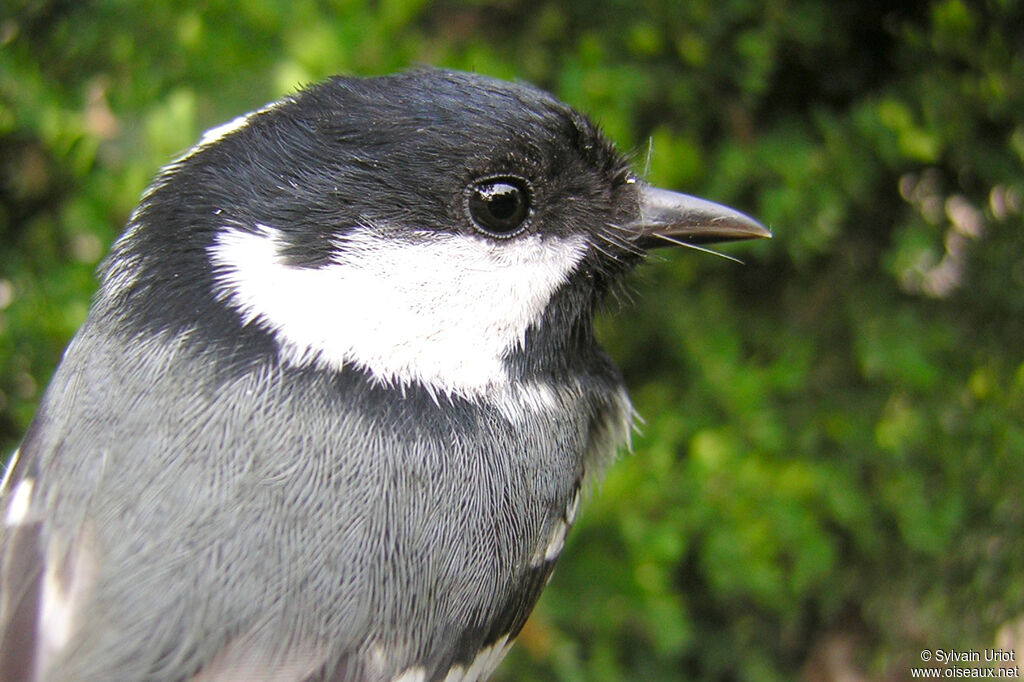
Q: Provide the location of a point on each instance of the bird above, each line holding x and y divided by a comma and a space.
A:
337, 397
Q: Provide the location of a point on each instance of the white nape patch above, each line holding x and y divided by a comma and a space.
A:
417, 674
218, 133
482, 665
21, 499
122, 272
223, 130
443, 311
9, 470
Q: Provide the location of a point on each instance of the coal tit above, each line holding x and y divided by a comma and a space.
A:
331, 412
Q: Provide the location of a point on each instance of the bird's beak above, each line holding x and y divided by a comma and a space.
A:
670, 217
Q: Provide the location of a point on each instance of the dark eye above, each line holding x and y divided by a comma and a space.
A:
500, 206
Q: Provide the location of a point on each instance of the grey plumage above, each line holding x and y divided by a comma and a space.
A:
215, 492
443, 493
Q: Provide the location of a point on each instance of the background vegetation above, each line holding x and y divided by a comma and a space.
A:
829, 475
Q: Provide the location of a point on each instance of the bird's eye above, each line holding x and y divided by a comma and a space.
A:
499, 206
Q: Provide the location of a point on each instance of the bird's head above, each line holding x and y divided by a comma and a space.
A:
433, 228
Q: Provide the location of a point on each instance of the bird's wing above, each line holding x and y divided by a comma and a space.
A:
21, 573
57, 591
44, 585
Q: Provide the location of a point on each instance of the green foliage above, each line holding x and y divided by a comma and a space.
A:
834, 434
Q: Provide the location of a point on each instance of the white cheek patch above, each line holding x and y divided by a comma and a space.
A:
443, 311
